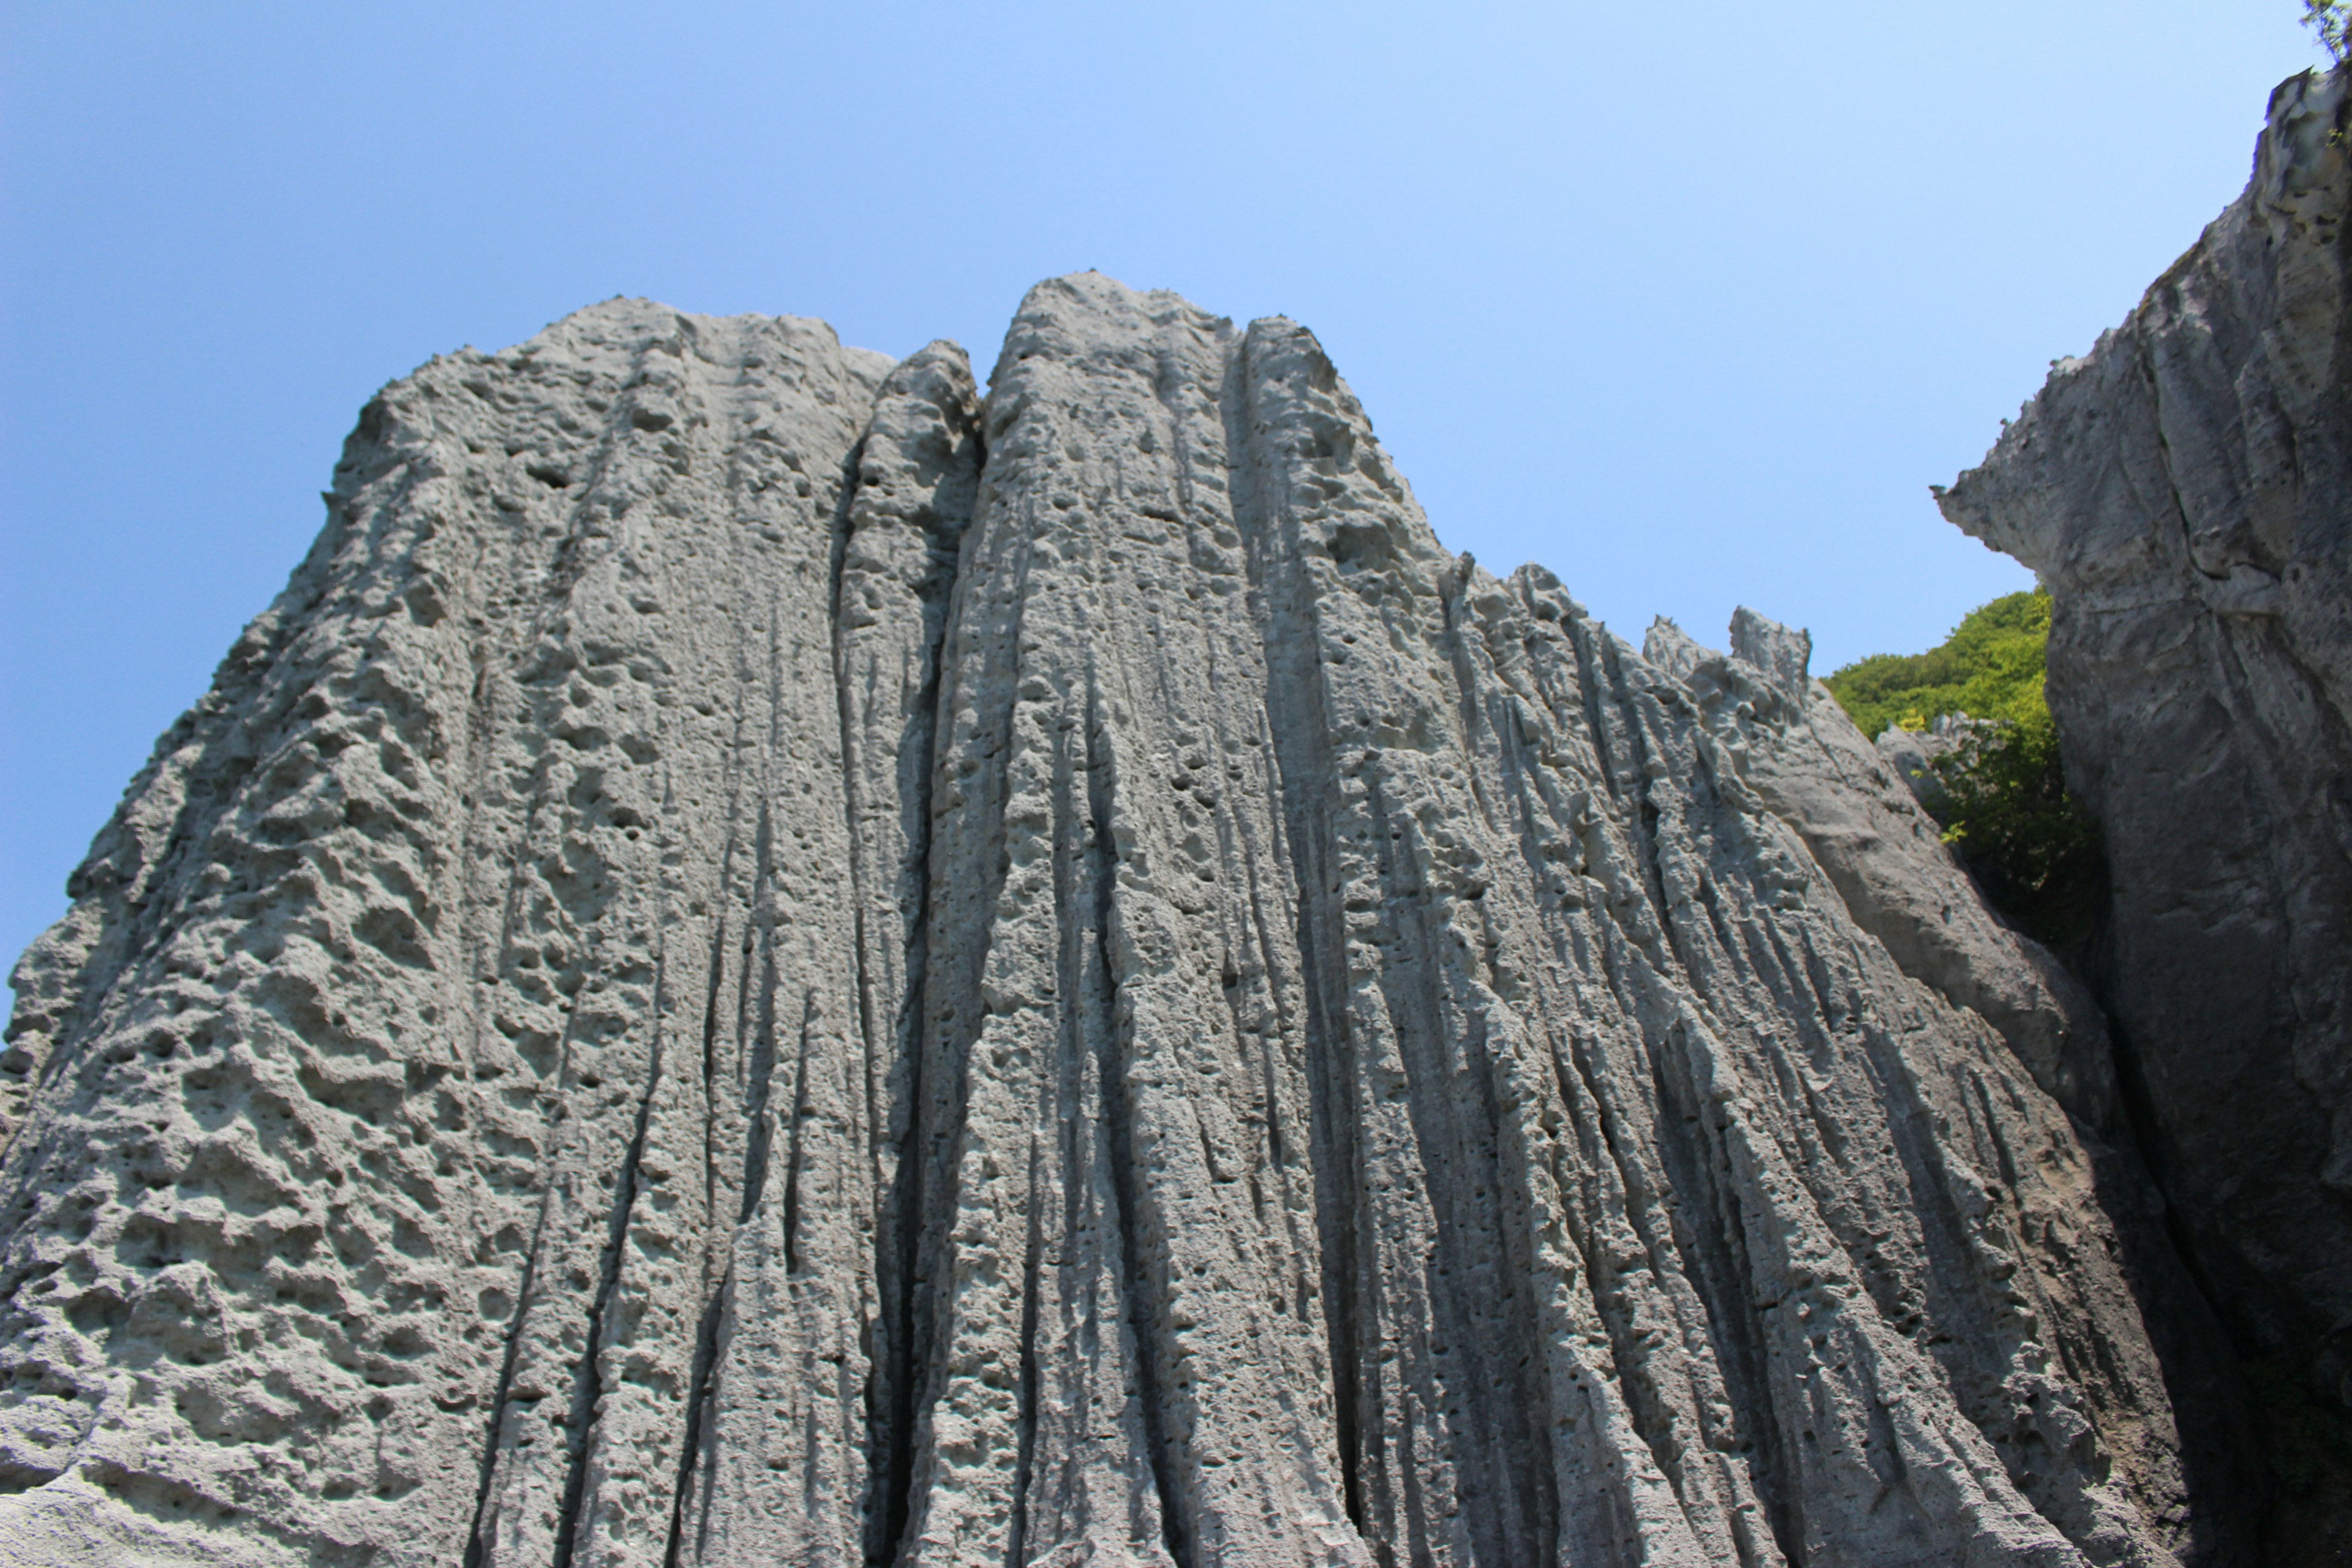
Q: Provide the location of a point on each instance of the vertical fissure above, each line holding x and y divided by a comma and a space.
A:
1499, 1453
891, 1397
1711, 1233
1024, 1459
889, 1404
1620, 1315
525, 1293
513, 1353
588, 1388
711, 1057
894, 1375
928, 1221
757, 1128
1629, 784
1298, 752
852, 795
1061, 1105
1114, 1050
693, 1459
706, 1337
792, 1214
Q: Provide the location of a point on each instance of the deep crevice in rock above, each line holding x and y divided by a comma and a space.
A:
1114, 1048
1298, 760
589, 1380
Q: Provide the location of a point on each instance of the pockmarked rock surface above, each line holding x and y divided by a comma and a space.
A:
765, 960
2182, 490
1915, 753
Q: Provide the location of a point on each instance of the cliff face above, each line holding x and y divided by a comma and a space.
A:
762, 961
2182, 491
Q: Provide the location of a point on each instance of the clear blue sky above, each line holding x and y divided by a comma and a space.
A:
1689, 304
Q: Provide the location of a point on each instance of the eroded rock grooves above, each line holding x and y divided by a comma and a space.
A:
762, 962
2181, 489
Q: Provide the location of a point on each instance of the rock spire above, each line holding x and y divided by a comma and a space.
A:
764, 960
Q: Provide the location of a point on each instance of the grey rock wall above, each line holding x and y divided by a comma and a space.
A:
763, 962
1914, 753
2182, 491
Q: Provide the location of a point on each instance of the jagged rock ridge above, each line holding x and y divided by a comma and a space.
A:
2182, 490
762, 961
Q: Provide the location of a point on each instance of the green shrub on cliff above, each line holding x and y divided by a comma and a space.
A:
2331, 20
2030, 845
1990, 667
2005, 806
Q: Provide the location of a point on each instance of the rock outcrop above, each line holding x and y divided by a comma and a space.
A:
1914, 753
761, 960
2182, 490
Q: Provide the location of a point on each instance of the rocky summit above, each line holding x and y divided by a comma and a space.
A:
767, 960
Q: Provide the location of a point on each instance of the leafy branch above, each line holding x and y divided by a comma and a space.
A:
2331, 21
2033, 846
2000, 796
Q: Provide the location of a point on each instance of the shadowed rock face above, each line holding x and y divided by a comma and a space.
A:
760, 962
2182, 490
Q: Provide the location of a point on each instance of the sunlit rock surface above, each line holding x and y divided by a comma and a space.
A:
762, 961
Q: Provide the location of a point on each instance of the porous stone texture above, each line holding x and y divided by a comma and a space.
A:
1913, 754
763, 962
1863, 823
2182, 490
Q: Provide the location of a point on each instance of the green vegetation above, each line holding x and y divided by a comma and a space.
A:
2331, 20
2030, 844
1990, 667
2004, 805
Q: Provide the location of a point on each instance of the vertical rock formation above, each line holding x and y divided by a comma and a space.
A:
2182, 491
762, 962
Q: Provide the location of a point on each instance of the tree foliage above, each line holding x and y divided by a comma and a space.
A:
2329, 20
1990, 667
2028, 841
2004, 806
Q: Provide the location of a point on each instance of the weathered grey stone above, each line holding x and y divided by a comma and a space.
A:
1914, 753
1865, 827
760, 962
2182, 491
